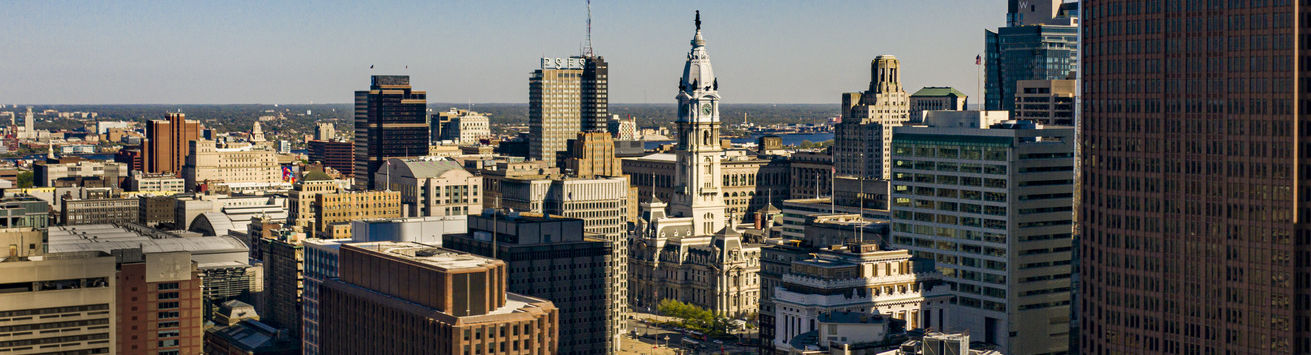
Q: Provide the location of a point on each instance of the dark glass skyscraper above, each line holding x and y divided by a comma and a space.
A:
1029, 50
390, 122
1194, 234
595, 97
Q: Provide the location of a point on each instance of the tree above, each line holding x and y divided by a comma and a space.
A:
25, 179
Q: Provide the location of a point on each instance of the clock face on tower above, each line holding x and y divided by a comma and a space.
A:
707, 109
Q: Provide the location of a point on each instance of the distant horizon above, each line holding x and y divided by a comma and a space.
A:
352, 103
118, 53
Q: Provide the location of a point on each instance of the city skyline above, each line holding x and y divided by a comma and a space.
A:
203, 54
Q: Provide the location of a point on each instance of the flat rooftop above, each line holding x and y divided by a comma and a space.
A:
217, 251
447, 259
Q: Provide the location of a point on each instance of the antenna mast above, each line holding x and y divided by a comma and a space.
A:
587, 51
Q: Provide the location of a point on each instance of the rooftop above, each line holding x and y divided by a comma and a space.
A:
938, 91
852, 318
443, 258
206, 251
428, 168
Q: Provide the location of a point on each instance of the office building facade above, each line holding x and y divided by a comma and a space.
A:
1194, 186
554, 259
936, 98
456, 301
1031, 47
565, 96
391, 121
432, 186
167, 143
862, 141
464, 127
993, 208
338, 155
1048, 102
160, 303
65, 302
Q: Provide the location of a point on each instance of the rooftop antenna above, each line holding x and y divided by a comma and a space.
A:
587, 50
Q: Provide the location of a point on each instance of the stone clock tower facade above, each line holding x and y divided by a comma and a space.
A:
699, 175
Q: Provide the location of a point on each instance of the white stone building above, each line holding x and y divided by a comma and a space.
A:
858, 278
688, 250
993, 206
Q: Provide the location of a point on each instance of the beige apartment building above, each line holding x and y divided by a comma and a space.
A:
61, 302
335, 211
227, 166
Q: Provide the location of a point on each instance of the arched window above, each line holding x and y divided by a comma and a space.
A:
705, 137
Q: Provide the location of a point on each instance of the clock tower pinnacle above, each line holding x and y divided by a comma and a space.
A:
699, 150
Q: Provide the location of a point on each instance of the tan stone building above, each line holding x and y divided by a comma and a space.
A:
863, 141
935, 98
71, 294
591, 154
302, 210
432, 186
456, 303
230, 166
464, 127
335, 211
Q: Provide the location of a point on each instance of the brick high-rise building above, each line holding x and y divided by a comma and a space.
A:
1194, 231
559, 262
405, 297
391, 121
133, 157
168, 143
334, 154
160, 309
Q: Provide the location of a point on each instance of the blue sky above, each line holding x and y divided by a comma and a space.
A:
121, 52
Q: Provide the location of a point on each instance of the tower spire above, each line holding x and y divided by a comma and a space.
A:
587, 51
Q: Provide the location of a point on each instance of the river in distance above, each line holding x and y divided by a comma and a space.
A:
788, 139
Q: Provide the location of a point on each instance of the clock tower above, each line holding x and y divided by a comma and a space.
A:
699, 177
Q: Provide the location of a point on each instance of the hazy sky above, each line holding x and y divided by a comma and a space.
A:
103, 52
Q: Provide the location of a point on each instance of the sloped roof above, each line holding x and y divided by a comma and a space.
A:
316, 175
427, 168
938, 91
